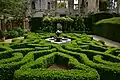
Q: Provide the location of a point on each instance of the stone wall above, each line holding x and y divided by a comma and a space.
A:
92, 5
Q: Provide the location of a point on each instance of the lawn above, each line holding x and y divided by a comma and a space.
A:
31, 58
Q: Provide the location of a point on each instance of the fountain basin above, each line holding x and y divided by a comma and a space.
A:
62, 40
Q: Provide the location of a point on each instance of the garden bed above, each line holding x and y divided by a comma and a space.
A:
33, 58
56, 66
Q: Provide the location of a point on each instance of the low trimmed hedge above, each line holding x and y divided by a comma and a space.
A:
69, 24
92, 18
83, 72
4, 48
85, 58
108, 69
107, 72
9, 65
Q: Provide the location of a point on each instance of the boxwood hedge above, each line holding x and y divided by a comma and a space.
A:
86, 59
108, 28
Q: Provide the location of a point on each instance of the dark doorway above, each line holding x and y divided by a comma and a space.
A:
62, 15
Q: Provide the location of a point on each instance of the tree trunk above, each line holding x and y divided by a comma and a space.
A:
3, 28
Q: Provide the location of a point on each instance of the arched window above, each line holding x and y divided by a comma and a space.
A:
96, 2
48, 5
33, 5
86, 4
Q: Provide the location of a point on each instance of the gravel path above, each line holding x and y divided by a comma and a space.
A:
107, 41
55, 66
10, 40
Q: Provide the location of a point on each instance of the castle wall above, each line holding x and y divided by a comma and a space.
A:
43, 6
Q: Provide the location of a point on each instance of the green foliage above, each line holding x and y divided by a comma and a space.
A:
14, 33
114, 20
85, 59
79, 25
61, 5
1, 34
36, 24
57, 19
49, 24
92, 18
12, 7
45, 61
108, 28
20, 31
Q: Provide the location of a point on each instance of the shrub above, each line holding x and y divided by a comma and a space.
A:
94, 17
79, 25
16, 32
108, 28
36, 23
20, 31
12, 34
1, 34
43, 62
85, 58
50, 23
12, 60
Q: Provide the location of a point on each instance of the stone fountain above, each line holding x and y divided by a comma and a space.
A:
58, 39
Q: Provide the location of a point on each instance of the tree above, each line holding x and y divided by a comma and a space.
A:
12, 7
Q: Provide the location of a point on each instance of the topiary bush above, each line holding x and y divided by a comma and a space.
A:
50, 23
79, 25
108, 28
85, 59
36, 24
92, 18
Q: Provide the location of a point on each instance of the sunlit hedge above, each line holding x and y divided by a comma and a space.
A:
87, 59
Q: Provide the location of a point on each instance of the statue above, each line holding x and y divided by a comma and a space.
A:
58, 39
58, 32
59, 26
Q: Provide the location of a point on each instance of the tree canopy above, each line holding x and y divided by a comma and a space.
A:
12, 7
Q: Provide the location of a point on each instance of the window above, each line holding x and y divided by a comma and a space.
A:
48, 5
75, 4
33, 5
86, 4
62, 3
96, 2
40, 3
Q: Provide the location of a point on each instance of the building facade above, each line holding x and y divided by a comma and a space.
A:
38, 8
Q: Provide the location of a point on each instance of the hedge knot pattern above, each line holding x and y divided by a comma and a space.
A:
87, 59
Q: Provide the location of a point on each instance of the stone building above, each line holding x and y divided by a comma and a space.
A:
39, 8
